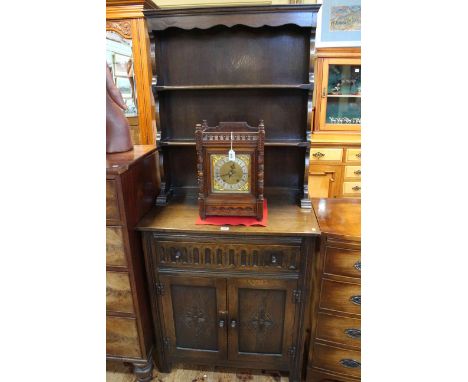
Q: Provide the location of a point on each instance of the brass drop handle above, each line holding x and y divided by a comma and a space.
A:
357, 172
351, 363
353, 333
233, 323
356, 300
356, 188
357, 265
318, 155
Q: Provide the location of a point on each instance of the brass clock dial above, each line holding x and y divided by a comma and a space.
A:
230, 176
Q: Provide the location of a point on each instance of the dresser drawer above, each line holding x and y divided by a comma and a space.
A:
352, 188
112, 205
353, 155
122, 337
352, 172
212, 255
337, 359
118, 292
342, 262
115, 252
326, 155
343, 330
340, 296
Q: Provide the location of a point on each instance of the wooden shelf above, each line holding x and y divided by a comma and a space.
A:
344, 95
276, 143
234, 86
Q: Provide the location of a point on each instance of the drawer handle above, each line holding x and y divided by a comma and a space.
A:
358, 155
177, 255
351, 363
357, 172
233, 323
273, 259
357, 265
353, 333
221, 323
355, 299
356, 188
318, 155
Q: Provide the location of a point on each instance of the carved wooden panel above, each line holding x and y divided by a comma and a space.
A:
122, 337
118, 292
263, 311
122, 27
193, 308
277, 258
115, 252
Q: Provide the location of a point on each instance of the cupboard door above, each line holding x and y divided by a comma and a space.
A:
194, 310
261, 320
323, 181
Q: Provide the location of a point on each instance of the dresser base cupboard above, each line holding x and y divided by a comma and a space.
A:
334, 350
131, 189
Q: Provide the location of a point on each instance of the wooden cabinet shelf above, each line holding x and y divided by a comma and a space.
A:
161, 88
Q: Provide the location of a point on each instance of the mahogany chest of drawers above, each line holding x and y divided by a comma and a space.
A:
334, 352
131, 189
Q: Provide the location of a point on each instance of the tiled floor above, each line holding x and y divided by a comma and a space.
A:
118, 372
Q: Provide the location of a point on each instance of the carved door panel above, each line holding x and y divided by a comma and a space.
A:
261, 320
194, 310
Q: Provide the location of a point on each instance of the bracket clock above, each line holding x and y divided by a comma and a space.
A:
230, 169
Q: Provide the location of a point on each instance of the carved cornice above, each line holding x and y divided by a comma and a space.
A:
122, 27
125, 9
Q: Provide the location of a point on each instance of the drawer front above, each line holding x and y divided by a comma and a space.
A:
352, 188
340, 296
314, 375
118, 292
122, 337
343, 330
271, 258
342, 262
352, 172
112, 205
337, 359
115, 252
326, 155
353, 155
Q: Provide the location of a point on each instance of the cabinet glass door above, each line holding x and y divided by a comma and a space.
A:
261, 321
194, 310
341, 95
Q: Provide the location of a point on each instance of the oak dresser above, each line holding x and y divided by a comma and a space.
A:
334, 352
131, 189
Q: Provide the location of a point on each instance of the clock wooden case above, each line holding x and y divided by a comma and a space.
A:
230, 187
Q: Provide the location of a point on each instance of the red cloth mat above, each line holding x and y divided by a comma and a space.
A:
236, 220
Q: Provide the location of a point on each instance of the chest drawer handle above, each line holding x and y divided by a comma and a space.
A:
318, 155
357, 172
355, 299
357, 265
356, 188
351, 363
358, 155
353, 333
273, 259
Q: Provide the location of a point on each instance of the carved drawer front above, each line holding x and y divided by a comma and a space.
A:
340, 296
352, 172
326, 155
112, 205
343, 262
122, 337
352, 188
118, 292
115, 252
342, 330
353, 155
336, 359
276, 258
